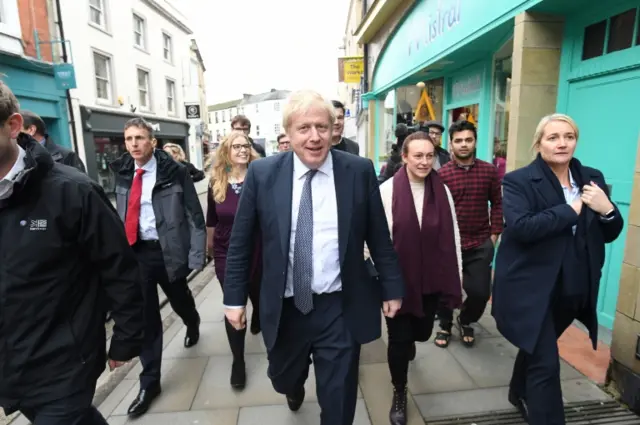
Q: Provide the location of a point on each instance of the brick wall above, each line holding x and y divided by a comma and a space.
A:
34, 15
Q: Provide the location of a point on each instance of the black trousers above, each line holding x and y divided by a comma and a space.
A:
73, 410
536, 376
154, 273
323, 334
403, 331
476, 281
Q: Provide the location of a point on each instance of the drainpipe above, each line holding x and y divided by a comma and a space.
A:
72, 120
365, 48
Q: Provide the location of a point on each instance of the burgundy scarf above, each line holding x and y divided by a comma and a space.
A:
427, 254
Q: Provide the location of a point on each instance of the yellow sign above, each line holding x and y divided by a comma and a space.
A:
352, 69
424, 108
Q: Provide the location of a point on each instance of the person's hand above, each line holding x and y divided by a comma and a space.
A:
114, 364
494, 239
577, 205
595, 198
210, 250
390, 308
237, 317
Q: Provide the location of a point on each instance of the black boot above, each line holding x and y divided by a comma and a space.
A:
236, 343
398, 412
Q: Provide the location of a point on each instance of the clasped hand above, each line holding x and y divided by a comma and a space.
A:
593, 197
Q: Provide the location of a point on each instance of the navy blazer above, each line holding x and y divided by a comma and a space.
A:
532, 249
265, 203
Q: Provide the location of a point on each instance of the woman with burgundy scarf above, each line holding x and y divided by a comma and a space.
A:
424, 230
558, 217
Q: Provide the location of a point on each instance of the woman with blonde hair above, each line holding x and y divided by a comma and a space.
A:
178, 154
233, 157
558, 218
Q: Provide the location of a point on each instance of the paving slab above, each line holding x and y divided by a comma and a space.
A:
308, 414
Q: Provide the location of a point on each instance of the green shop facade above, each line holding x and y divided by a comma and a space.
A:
509, 63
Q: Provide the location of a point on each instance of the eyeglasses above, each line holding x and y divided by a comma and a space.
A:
238, 148
245, 129
435, 134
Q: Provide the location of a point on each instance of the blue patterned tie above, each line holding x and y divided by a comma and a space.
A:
303, 250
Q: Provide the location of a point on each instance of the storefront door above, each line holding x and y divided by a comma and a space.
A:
609, 132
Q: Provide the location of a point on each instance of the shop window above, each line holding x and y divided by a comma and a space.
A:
621, 31
593, 44
502, 102
415, 105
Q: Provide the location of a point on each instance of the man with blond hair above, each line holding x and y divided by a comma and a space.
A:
63, 249
316, 208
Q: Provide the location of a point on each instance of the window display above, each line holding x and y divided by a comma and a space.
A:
502, 101
417, 104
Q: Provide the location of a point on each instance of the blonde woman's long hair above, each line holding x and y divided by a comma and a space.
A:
176, 151
222, 165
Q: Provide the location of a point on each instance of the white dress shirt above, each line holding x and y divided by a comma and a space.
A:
326, 251
6, 184
147, 222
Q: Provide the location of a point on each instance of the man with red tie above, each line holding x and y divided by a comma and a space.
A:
164, 223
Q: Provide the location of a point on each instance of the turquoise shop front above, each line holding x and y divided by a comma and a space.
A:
34, 84
457, 44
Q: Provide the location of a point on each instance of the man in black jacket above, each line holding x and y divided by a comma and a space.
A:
36, 128
342, 143
164, 223
62, 251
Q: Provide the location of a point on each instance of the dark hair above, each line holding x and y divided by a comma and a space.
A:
402, 131
280, 136
8, 103
29, 118
338, 105
459, 126
240, 119
418, 135
141, 123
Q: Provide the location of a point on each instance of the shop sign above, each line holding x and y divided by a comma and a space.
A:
432, 29
466, 86
192, 111
438, 22
350, 69
155, 126
65, 76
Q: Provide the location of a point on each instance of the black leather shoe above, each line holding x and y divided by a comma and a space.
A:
193, 336
143, 401
295, 400
398, 412
238, 375
520, 404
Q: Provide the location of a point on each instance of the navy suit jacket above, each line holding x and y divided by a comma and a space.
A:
265, 204
536, 233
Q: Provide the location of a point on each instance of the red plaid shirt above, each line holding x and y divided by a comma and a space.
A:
472, 189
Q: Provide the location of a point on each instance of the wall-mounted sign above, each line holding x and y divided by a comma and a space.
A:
155, 126
192, 111
65, 76
350, 69
465, 86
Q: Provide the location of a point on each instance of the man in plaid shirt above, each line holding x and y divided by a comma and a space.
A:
473, 184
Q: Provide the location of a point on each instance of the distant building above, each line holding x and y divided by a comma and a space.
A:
263, 110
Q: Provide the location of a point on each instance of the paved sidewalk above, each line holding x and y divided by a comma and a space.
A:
443, 383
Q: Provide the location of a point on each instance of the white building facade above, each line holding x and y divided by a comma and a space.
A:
131, 58
263, 110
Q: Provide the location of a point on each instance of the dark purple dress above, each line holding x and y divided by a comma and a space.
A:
221, 216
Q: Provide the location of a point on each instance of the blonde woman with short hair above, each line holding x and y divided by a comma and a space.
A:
233, 157
558, 217
178, 154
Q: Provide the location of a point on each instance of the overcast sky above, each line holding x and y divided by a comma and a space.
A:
252, 46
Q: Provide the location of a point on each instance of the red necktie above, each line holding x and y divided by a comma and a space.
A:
133, 209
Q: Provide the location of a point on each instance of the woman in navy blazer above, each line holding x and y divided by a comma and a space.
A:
558, 218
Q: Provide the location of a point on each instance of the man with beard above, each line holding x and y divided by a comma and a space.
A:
473, 184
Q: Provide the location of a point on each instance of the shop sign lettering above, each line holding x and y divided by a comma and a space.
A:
466, 86
438, 22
